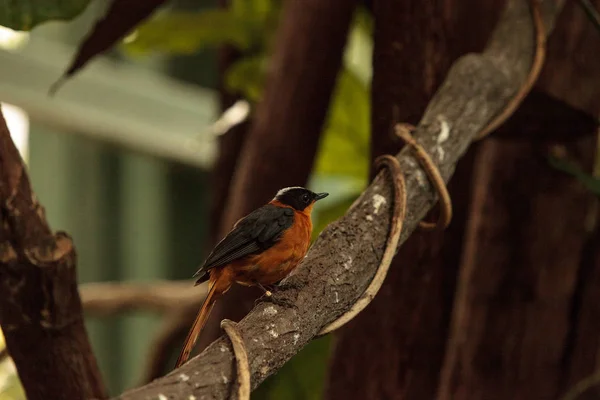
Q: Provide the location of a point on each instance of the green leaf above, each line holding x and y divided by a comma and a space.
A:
186, 33
344, 148
23, 15
247, 77
590, 182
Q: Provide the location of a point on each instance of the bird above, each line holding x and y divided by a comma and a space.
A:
261, 249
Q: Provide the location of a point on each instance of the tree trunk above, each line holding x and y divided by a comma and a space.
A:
395, 349
513, 320
230, 146
40, 308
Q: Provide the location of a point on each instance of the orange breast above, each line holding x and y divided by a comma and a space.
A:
278, 261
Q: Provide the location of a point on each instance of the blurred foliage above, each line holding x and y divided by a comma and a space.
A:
23, 15
342, 162
247, 25
186, 33
10, 386
247, 76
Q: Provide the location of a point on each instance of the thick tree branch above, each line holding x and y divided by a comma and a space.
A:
40, 310
345, 257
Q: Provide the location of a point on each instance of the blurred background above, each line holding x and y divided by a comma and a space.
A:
121, 155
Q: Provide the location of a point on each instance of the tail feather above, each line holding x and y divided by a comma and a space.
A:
197, 326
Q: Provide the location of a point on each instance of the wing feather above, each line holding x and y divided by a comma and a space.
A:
257, 231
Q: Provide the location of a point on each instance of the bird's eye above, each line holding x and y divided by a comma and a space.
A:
305, 198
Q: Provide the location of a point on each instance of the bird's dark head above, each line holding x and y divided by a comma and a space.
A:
298, 197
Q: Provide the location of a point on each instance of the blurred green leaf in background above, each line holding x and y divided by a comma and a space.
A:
23, 15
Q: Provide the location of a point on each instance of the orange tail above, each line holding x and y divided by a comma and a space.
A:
199, 323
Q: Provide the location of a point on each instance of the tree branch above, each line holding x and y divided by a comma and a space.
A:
40, 310
107, 298
345, 257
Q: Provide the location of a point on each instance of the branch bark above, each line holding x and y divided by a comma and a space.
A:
345, 257
40, 310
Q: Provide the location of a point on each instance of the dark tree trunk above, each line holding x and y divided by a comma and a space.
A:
395, 349
572, 69
40, 308
526, 316
229, 147
582, 358
513, 321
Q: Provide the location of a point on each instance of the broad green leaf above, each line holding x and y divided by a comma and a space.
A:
344, 147
247, 77
186, 33
23, 15
589, 181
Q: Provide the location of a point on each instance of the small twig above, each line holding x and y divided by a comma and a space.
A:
241, 357
536, 67
591, 12
403, 131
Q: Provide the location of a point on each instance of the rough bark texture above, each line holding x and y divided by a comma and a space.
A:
344, 258
512, 326
40, 310
396, 352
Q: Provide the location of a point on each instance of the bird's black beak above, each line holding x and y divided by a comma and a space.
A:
320, 196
